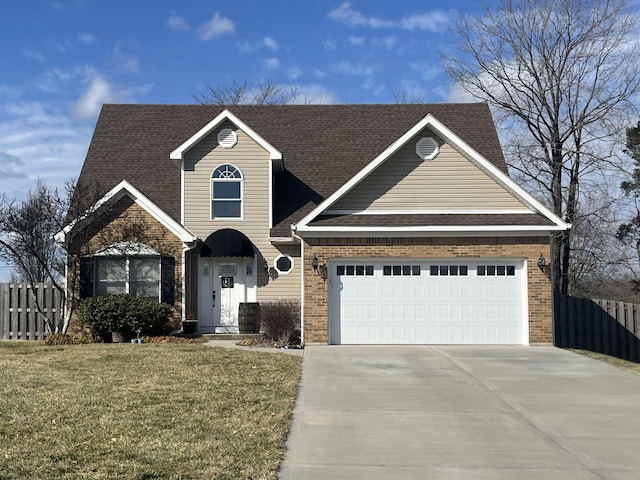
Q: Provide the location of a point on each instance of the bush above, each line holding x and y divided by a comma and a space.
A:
124, 313
280, 321
66, 339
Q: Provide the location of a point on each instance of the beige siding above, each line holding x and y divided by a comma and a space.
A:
448, 182
253, 161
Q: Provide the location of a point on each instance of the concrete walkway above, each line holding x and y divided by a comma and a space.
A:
462, 412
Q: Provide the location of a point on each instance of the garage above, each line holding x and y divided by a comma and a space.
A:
427, 301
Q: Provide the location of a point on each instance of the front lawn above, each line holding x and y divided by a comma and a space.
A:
152, 411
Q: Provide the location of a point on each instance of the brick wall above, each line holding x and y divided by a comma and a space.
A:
316, 328
127, 221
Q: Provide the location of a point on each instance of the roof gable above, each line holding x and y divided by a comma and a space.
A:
446, 183
124, 188
226, 115
429, 121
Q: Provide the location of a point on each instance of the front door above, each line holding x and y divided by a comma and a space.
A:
224, 284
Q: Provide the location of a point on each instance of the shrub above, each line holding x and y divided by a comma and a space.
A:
280, 321
124, 313
66, 339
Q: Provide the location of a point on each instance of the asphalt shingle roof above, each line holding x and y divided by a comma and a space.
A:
323, 146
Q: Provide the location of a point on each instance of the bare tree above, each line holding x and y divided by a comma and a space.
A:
265, 92
27, 228
403, 95
563, 75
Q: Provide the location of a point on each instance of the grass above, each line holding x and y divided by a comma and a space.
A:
153, 411
616, 362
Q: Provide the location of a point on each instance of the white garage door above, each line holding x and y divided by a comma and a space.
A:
404, 301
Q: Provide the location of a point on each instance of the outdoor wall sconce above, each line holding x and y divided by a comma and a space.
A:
319, 269
542, 263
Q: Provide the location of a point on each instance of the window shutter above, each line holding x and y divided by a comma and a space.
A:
167, 275
86, 277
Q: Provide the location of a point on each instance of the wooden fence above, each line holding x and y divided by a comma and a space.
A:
602, 326
18, 317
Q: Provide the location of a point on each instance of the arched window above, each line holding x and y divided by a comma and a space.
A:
226, 192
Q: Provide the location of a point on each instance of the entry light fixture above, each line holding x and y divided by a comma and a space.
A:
542, 263
319, 269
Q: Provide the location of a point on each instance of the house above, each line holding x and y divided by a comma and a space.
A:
391, 223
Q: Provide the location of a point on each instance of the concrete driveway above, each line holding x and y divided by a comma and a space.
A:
462, 412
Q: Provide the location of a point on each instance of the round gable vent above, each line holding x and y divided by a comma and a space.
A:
427, 148
227, 138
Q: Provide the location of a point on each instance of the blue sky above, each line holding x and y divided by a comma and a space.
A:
61, 60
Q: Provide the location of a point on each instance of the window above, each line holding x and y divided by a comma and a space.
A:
496, 270
142, 276
448, 270
139, 276
284, 264
401, 270
354, 270
226, 192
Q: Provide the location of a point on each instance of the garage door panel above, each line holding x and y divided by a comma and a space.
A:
427, 301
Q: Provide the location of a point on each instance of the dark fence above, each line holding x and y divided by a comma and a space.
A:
602, 326
19, 319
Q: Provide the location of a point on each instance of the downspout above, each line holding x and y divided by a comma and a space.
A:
183, 282
294, 228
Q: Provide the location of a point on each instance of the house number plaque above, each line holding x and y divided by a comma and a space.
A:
226, 282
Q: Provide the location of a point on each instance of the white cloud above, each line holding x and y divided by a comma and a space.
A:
329, 44
130, 64
270, 43
215, 27
177, 23
432, 21
267, 42
346, 67
87, 38
345, 14
319, 73
11, 166
33, 55
387, 42
56, 81
314, 94
99, 90
357, 41
124, 61
38, 141
271, 63
63, 45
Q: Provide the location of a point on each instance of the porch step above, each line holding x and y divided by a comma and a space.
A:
233, 336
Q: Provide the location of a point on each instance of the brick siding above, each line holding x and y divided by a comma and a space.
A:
127, 221
316, 324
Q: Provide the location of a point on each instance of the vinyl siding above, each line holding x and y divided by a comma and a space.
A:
253, 161
449, 182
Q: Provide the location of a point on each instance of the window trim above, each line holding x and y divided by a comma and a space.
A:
239, 180
283, 272
166, 279
127, 271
